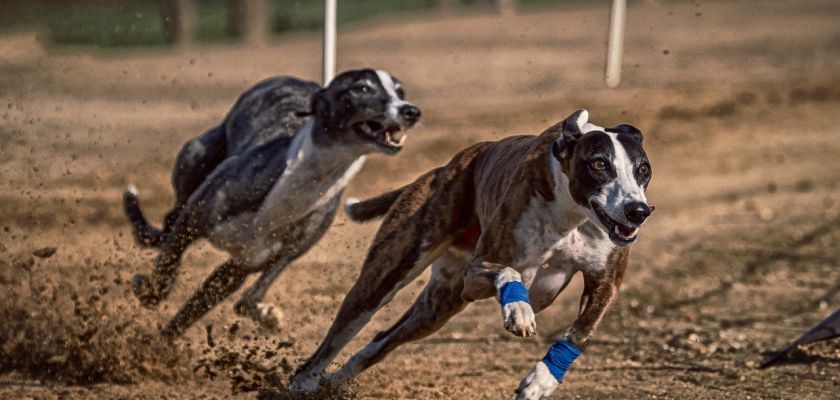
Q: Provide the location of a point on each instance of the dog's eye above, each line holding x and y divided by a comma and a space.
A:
644, 170
361, 89
598, 165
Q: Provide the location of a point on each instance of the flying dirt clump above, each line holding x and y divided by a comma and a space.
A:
64, 330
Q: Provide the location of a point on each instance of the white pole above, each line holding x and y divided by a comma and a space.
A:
329, 41
615, 45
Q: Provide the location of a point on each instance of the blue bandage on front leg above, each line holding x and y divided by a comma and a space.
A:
560, 357
512, 292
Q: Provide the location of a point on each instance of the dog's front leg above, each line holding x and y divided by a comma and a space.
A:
484, 279
600, 290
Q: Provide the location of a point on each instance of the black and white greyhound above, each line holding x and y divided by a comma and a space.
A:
265, 184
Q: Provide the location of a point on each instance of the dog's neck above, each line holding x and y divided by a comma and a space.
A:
315, 174
567, 212
323, 139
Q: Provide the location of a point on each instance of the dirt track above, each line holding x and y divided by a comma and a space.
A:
739, 104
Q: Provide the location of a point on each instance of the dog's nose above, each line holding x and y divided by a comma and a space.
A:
637, 212
410, 113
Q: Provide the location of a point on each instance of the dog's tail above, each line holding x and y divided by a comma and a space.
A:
366, 210
144, 233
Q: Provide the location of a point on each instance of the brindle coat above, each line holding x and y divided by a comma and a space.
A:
498, 211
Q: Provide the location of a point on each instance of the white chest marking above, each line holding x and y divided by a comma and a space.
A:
312, 177
556, 234
544, 225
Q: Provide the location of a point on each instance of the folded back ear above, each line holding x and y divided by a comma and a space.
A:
573, 124
320, 106
628, 129
572, 131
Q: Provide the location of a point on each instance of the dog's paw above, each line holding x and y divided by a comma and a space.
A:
539, 384
143, 289
266, 315
519, 319
304, 384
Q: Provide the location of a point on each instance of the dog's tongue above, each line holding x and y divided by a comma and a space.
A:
625, 231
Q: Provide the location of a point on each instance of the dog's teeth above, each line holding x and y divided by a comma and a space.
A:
398, 136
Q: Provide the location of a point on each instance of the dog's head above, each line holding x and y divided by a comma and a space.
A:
608, 173
367, 108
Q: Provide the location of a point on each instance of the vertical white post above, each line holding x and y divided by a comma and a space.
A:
329, 41
615, 44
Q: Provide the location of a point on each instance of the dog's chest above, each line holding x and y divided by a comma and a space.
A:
547, 236
313, 176
301, 197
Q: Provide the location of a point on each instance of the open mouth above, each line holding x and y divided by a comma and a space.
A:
619, 233
390, 137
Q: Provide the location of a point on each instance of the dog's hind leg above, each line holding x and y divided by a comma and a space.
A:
224, 280
196, 160
251, 304
150, 290
297, 240
439, 301
416, 232
379, 281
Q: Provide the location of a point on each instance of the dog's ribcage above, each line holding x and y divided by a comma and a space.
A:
294, 207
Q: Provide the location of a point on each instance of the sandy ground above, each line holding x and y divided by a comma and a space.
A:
739, 104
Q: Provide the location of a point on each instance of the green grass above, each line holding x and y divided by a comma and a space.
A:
211, 21
118, 23
137, 23
292, 15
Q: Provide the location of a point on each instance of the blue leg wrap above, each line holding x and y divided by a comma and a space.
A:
560, 357
513, 291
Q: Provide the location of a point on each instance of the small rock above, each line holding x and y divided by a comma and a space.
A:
44, 252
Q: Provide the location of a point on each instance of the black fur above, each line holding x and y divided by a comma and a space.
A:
230, 169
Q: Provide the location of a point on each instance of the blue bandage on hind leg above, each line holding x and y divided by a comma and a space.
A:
560, 357
513, 291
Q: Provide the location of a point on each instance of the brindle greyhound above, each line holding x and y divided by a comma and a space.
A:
526, 211
265, 184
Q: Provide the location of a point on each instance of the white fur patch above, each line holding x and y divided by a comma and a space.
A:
349, 203
506, 276
544, 225
589, 127
539, 384
582, 119
131, 189
390, 87
313, 176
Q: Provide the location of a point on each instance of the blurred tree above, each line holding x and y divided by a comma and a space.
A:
248, 20
505, 7
177, 18
445, 6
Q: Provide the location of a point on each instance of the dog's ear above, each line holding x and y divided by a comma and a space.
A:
573, 124
628, 129
320, 105
571, 131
